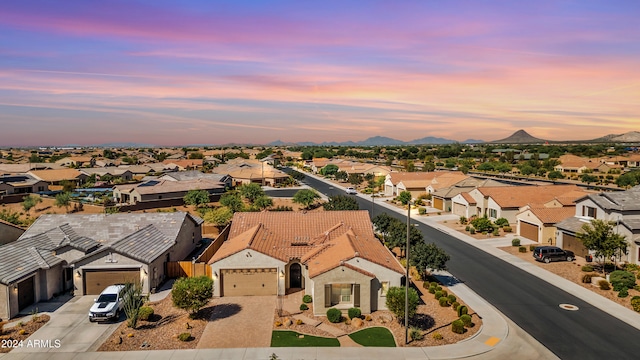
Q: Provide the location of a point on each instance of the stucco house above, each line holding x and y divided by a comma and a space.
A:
77, 161
622, 208
251, 171
111, 172
195, 175
57, 177
86, 253
333, 256
154, 190
442, 199
9, 232
21, 184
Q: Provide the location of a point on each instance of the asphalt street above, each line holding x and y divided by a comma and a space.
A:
528, 301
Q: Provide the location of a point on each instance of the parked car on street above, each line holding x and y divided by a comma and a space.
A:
351, 191
552, 253
108, 305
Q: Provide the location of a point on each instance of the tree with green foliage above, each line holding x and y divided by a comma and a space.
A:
629, 179
196, 155
297, 175
233, 201
220, 217
263, 202
482, 224
329, 170
192, 293
34, 158
355, 179
196, 197
10, 216
555, 175
251, 191
63, 200
428, 257
341, 176
397, 236
588, 178
599, 236
396, 302
305, 197
341, 202
404, 197
30, 201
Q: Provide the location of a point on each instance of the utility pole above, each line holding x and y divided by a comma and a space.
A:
406, 285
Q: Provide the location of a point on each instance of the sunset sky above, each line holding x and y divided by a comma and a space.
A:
215, 72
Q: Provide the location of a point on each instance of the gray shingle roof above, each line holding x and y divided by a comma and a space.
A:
145, 244
21, 258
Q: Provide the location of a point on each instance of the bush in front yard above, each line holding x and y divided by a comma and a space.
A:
145, 312
462, 310
455, 305
635, 303
532, 247
507, 229
438, 294
422, 211
472, 231
415, 334
586, 278
466, 320
452, 298
184, 336
354, 312
622, 279
457, 327
501, 222
444, 301
624, 292
307, 299
587, 268
515, 242
604, 285
334, 315
192, 293
522, 249
304, 307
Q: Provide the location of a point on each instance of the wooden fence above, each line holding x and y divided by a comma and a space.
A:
214, 246
177, 269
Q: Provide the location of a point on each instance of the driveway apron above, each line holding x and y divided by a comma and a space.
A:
240, 322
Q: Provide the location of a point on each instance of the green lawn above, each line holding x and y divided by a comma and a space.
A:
375, 336
291, 339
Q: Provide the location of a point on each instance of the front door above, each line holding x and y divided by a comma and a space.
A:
295, 276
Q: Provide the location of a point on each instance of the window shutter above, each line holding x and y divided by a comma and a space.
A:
356, 295
327, 295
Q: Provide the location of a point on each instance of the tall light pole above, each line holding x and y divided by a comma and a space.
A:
406, 283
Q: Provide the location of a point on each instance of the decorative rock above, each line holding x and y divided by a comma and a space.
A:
287, 322
357, 323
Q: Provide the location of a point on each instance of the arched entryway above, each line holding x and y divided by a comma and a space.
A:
295, 276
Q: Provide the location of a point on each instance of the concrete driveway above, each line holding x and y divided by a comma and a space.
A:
240, 322
70, 327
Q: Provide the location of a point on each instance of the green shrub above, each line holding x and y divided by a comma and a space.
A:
415, 334
184, 336
354, 312
145, 312
631, 267
620, 279
452, 298
624, 292
438, 294
437, 336
422, 211
515, 242
455, 305
604, 285
635, 303
457, 327
463, 220
438, 288
425, 285
522, 249
507, 229
334, 315
304, 307
433, 283
467, 228
462, 310
472, 230
466, 320
444, 302
587, 268
445, 293
501, 222
532, 247
307, 299
586, 278
432, 290
496, 232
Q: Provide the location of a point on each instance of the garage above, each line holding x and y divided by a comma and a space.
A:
438, 203
97, 280
529, 231
459, 209
243, 282
570, 242
26, 293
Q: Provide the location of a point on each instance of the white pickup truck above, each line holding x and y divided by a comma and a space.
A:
108, 305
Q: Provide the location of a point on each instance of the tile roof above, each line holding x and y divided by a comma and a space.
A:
56, 175
515, 197
553, 215
193, 175
628, 200
185, 163
321, 240
169, 186
397, 177
470, 200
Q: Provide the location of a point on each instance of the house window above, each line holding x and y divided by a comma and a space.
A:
589, 211
384, 287
341, 293
493, 213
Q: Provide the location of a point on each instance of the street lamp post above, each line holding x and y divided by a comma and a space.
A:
406, 285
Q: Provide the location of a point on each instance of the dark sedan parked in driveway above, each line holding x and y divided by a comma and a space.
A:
552, 253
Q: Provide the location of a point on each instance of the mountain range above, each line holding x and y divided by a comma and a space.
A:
380, 141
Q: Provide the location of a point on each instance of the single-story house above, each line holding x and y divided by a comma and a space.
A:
77, 161
86, 253
111, 172
185, 164
21, 184
56, 178
416, 182
251, 171
24, 168
332, 255
153, 190
464, 204
195, 175
538, 223
442, 199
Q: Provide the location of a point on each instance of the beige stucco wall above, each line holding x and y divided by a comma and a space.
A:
341, 275
4, 302
9, 233
103, 261
247, 259
383, 274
